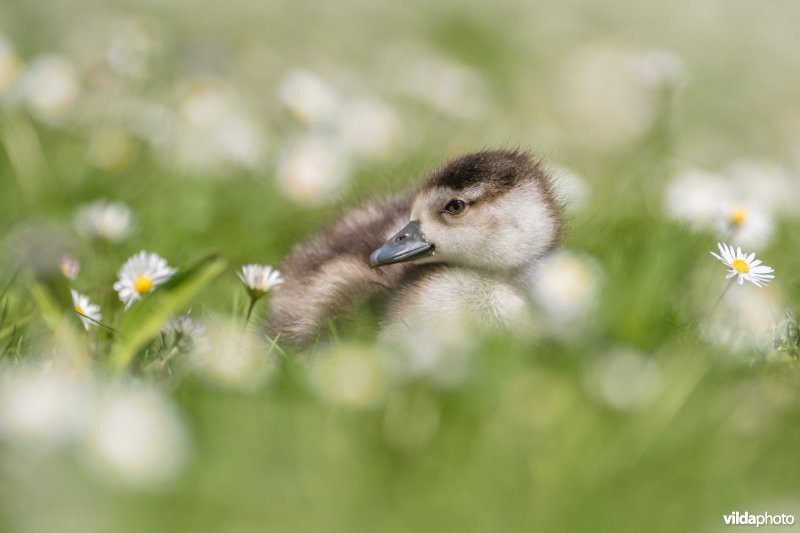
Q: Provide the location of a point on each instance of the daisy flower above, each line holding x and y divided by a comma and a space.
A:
259, 279
140, 275
51, 88
185, 330
745, 225
70, 267
308, 97
313, 169
745, 266
89, 313
694, 196
572, 286
109, 221
184, 326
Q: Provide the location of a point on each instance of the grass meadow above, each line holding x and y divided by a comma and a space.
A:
657, 395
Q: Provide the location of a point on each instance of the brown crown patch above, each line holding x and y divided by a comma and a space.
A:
499, 170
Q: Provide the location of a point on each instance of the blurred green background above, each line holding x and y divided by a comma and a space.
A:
239, 128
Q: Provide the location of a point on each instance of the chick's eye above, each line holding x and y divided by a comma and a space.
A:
455, 207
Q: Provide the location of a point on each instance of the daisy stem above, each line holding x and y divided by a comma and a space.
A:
731, 229
724, 292
97, 322
250, 309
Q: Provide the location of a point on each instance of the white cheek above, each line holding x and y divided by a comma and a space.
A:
503, 234
527, 231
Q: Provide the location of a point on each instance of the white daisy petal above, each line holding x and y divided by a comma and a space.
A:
744, 265
727, 252
140, 275
88, 312
259, 279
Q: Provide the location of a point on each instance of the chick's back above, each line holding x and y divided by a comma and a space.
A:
328, 276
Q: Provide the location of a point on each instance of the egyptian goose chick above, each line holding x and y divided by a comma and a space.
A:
478, 227
467, 246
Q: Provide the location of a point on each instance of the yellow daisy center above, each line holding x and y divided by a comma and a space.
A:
143, 284
739, 215
740, 265
80, 310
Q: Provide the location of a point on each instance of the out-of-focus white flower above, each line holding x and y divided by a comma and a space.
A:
308, 97
312, 170
149, 121
126, 120
611, 95
660, 68
44, 406
745, 319
442, 83
438, 355
10, 66
743, 265
241, 140
566, 286
707, 201
768, 187
136, 436
695, 196
624, 379
757, 310
370, 128
204, 101
232, 356
70, 267
131, 48
184, 327
213, 129
141, 274
350, 375
111, 149
51, 88
183, 333
88, 312
259, 279
110, 221
745, 226
570, 188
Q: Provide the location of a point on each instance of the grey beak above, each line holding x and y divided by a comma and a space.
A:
406, 245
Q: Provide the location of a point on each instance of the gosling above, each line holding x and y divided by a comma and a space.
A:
467, 249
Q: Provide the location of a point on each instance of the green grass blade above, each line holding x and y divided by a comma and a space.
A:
50, 297
146, 318
11, 329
